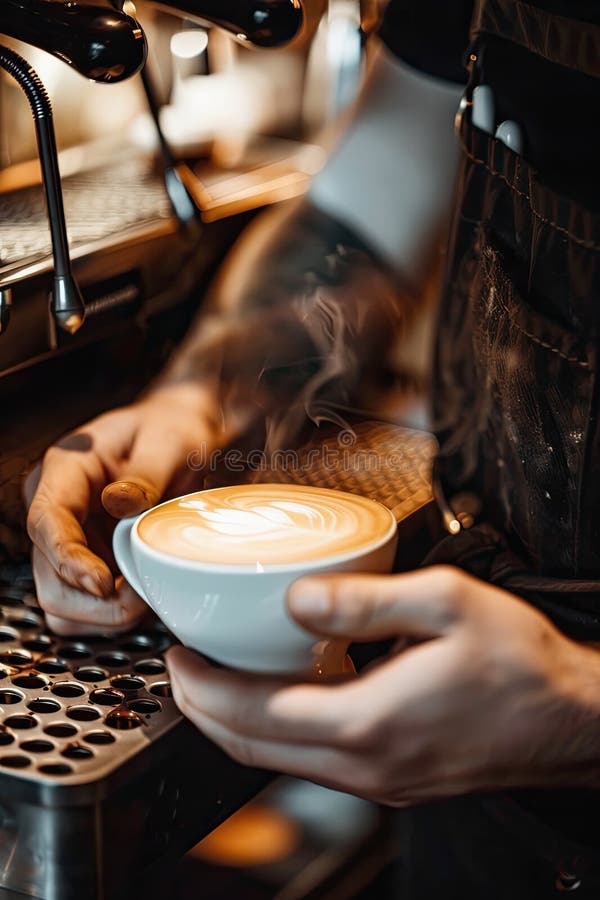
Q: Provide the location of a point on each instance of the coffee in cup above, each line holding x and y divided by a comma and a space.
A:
270, 524
216, 565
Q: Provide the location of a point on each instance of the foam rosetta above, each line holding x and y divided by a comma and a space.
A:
265, 524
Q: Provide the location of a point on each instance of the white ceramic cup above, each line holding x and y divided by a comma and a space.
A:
235, 614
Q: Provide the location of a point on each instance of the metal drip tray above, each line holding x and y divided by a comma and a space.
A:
75, 711
100, 777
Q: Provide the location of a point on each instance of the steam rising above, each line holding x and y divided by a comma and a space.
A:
297, 355
346, 323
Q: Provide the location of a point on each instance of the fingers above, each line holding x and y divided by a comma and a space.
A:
427, 603
58, 534
58, 508
66, 606
319, 764
273, 725
158, 453
295, 759
266, 708
65, 628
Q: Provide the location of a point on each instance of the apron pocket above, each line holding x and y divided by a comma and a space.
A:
534, 386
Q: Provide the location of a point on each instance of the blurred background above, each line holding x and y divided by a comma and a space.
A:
251, 128
218, 97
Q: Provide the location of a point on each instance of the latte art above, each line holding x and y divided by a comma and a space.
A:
265, 524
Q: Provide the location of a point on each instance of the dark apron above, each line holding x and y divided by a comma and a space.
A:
516, 409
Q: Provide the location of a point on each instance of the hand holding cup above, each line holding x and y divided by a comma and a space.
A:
141, 450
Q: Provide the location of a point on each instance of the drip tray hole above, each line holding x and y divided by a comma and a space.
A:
128, 683
37, 746
162, 689
7, 635
113, 660
56, 769
99, 737
74, 651
91, 674
68, 689
150, 667
83, 713
52, 665
9, 698
123, 719
40, 644
15, 762
145, 706
77, 751
21, 723
107, 697
19, 658
61, 730
44, 705
30, 682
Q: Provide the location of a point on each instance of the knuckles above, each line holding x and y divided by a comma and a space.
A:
124, 616
450, 587
449, 583
241, 750
349, 610
241, 715
34, 519
371, 782
363, 736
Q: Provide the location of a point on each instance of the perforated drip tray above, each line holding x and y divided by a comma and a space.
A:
101, 779
75, 710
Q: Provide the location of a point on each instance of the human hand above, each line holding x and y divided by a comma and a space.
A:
492, 696
144, 448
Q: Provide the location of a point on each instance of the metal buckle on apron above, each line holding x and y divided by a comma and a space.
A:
473, 61
566, 882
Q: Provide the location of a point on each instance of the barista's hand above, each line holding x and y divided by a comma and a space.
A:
492, 695
146, 445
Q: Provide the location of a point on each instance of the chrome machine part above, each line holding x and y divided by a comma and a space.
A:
100, 776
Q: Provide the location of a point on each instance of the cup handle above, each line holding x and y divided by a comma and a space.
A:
124, 556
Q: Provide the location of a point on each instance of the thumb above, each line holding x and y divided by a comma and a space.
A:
425, 604
129, 497
158, 453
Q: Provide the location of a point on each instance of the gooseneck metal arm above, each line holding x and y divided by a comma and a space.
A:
66, 302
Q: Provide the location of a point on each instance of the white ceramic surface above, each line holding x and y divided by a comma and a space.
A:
235, 614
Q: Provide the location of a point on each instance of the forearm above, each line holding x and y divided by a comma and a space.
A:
297, 342
313, 296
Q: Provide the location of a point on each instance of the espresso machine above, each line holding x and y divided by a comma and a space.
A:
101, 780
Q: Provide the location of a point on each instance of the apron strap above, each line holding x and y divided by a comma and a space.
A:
558, 39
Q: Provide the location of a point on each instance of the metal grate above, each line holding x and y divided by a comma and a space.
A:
73, 711
376, 459
98, 204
